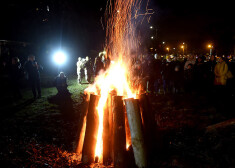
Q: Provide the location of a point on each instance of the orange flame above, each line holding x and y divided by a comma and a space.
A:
115, 78
120, 42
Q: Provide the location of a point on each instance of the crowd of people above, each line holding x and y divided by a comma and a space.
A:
147, 73
13, 73
87, 68
150, 74
178, 76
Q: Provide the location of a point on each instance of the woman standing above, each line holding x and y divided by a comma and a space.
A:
221, 70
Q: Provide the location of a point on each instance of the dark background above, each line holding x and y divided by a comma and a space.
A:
75, 26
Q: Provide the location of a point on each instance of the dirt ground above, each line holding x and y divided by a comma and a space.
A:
43, 132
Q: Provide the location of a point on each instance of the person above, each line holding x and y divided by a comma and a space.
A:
188, 78
210, 70
15, 75
88, 69
200, 74
190, 60
107, 63
166, 75
177, 76
221, 69
98, 65
61, 84
33, 69
79, 65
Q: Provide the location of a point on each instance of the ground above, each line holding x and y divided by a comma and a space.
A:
43, 132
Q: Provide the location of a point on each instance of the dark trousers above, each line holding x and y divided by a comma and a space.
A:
35, 86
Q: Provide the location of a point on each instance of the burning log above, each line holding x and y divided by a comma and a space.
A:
92, 122
137, 138
119, 132
128, 133
107, 133
111, 126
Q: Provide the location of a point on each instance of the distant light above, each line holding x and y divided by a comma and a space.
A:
152, 37
183, 42
59, 57
48, 8
151, 27
173, 48
118, 11
163, 42
210, 46
182, 46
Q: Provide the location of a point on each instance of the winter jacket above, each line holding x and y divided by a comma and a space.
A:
221, 70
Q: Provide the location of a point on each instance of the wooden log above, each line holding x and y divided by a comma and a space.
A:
110, 101
82, 125
92, 123
119, 145
128, 133
221, 125
148, 124
137, 138
107, 134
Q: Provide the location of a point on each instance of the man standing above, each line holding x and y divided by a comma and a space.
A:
32, 68
15, 75
79, 65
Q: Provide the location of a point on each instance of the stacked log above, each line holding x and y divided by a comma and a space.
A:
82, 124
119, 126
137, 138
119, 138
92, 123
107, 134
148, 123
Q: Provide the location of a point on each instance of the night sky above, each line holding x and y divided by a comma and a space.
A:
76, 24
196, 22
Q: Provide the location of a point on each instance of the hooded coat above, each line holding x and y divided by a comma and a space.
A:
221, 69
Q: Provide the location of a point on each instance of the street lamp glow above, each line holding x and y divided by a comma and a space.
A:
182, 46
210, 47
59, 57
